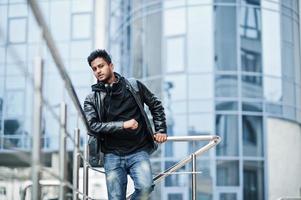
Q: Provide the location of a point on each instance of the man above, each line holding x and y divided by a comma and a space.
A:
115, 114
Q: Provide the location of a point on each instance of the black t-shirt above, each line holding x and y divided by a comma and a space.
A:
120, 105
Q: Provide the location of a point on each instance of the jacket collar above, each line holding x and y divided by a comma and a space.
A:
100, 86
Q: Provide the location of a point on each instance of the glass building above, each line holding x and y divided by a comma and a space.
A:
225, 67
73, 25
72, 28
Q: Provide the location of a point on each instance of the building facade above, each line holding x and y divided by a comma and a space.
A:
74, 26
225, 67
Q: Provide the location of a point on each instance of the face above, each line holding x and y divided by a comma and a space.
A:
102, 70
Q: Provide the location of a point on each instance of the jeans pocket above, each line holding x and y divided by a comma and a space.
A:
111, 162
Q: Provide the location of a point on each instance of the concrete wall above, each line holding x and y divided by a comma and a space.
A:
283, 159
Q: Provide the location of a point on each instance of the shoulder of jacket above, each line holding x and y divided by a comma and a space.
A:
134, 83
90, 96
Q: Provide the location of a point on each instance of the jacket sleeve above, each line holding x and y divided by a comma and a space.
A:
96, 126
155, 107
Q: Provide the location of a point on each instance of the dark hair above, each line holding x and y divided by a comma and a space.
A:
99, 53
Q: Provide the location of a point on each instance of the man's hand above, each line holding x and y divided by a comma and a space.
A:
130, 124
160, 137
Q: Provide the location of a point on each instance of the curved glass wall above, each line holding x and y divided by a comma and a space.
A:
222, 67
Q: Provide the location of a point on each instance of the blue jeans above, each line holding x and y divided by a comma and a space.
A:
137, 165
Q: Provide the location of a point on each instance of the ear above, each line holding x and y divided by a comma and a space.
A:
111, 65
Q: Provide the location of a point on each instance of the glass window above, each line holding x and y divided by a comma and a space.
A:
272, 89
250, 21
252, 136
225, 38
226, 126
226, 86
81, 26
289, 112
79, 49
251, 106
179, 87
200, 33
175, 53
18, 10
82, 6
274, 109
177, 125
60, 20
200, 123
197, 106
17, 30
175, 180
271, 45
174, 18
175, 196
15, 82
252, 86
226, 105
287, 29
253, 176
227, 173
14, 103
204, 179
200, 86
2, 59
250, 60
3, 24
227, 196
176, 107
288, 60
16, 54
288, 93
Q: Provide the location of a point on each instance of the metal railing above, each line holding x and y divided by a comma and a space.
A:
37, 183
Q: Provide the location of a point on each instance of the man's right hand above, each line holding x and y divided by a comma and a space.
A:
130, 124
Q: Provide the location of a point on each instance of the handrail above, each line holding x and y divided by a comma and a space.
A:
214, 140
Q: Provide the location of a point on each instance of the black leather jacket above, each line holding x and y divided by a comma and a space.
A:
93, 108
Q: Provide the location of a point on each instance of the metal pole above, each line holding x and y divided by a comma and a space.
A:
63, 160
86, 172
193, 178
37, 119
76, 163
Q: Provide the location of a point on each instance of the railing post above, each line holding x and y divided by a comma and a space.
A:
86, 172
193, 178
37, 119
63, 160
76, 163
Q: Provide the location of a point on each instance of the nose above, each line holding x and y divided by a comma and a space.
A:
98, 70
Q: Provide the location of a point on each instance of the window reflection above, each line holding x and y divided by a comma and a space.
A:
226, 105
226, 86
227, 173
228, 196
251, 106
175, 180
200, 86
175, 54
250, 34
227, 128
204, 180
253, 187
252, 136
17, 30
81, 26
174, 19
225, 37
252, 86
